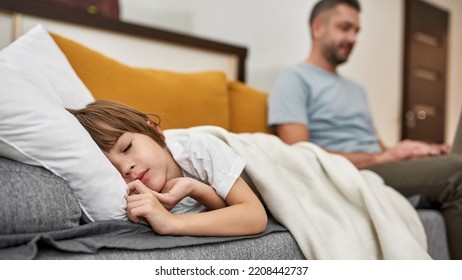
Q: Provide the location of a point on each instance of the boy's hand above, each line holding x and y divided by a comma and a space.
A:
174, 191
142, 202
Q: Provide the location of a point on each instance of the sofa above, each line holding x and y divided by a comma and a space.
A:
45, 221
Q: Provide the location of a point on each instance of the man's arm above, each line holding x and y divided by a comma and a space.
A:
363, 160
404, 150
292, 133
407, 149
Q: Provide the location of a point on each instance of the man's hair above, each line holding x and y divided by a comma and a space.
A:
325, 5
106, 121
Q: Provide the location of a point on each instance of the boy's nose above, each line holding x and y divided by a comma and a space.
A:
128, 170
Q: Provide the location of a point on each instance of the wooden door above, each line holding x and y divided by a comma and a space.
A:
424, 83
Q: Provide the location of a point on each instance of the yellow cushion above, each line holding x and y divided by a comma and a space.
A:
180, 99
248, 108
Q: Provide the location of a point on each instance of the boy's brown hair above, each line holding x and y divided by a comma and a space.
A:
107, 120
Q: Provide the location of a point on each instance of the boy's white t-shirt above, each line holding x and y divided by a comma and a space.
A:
205, 158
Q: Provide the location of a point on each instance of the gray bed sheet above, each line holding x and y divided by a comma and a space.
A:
93, 237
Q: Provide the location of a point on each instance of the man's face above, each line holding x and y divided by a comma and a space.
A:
337, 33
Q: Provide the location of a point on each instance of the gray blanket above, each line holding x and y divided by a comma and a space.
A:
92, 237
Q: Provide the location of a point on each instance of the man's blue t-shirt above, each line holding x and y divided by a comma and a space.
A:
335, 109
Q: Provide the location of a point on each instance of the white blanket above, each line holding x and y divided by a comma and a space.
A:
333, 210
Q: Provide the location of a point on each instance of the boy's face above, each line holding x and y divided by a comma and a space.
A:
138, 156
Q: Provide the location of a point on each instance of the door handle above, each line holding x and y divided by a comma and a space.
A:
420, 112
424, 111
410, 118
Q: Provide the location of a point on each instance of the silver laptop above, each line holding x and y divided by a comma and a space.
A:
457, 144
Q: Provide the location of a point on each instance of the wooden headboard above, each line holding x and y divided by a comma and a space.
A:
132, 44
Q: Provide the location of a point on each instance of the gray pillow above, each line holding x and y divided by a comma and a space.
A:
32, 199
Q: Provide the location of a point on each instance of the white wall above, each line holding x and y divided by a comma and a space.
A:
275, 31
6, 31
376, 63
276, 34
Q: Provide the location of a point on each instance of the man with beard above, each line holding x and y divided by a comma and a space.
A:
312, 102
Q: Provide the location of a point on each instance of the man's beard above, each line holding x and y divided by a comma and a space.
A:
333, 57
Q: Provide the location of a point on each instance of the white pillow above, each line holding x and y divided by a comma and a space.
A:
37, 84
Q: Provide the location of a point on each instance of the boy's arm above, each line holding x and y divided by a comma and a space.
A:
244, 214
179, 188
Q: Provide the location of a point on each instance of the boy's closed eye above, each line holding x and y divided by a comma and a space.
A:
127, 147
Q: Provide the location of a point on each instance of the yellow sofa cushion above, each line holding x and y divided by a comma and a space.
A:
180, 99
248, 108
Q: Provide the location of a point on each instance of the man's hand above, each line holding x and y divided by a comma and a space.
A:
410, 149
404, 150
